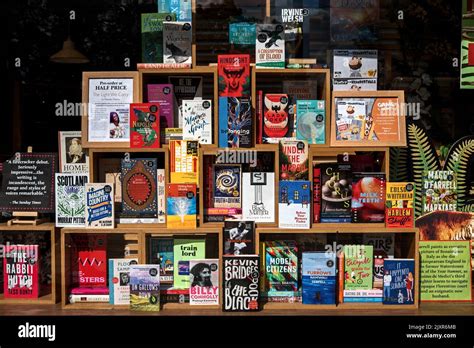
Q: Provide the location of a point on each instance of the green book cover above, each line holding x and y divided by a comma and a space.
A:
358, 267
152, 36
281, 266
185, 250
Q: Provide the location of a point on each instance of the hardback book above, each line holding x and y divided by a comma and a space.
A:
354, 84
20, 271
281, 267
144, 125
234, 75
351, 120
182, 8
277, 122
161, 195
439, 191
99, 205
177, 42
336, 192
145, 288
399, 204
89, 260
73, 158
119, 280
227, 186
239, 237
163, 95
184, 161
270, 46
241, 276
91, 298
316, 194
319, 278
294, 204
235, 122
353, 64
293, 159
368, 197
185, 250
399, 281
358, 267
197, 120
181, 206
152, 35
258, 197
71, 199
383, 244
184, 88
310, 121
204, 282
139, 179
161, 252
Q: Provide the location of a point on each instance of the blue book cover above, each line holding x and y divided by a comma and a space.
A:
294, 204
399, 281
319, 278
223, 130
235, 122
242, 33
310, 121
362, 299
164, 6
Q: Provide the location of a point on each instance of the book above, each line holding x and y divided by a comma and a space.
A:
294, 204
383, 244
197, 120
20, 271
316, 194
241, 276
399, 281
227, 186
358, 267
182, 8
152, 36
73, 158
354, 84
163, 95
204, 282
90, 291
119, 280
351, 120
399, 204
239, 238
173, 134
376, 299
242, 36
310, 121
185, 250
439, 191
301, 89
177, 42
340, 276
110, 171
277, 122
319, 278
293, 159
184, 88
161, 195
270, 46
145, 287
161, 252
368, 197
181, 206
258, 197
364, 293
235, 122
89, 260
234, 75
281, 267
71, 199
97, 298
184, 161
139, 179
336, 192
154, 66
351, 64
144, 125
99, 205
259, 116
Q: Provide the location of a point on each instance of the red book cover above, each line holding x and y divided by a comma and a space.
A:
259, 116
234, 75
316, 195
340, 293
276, 122
90, 260
368, 197
144, 125
20, 271
470, 54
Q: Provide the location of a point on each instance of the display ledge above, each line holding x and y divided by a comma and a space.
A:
45, 226
42, 300
339, 228
120, 229
195, 70
107, 306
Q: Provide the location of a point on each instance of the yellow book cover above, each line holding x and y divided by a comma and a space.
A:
184, 161
399, 203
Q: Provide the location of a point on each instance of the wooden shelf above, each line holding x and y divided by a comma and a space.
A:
339, 228
296, 306
292, 71
42, 300
190, 71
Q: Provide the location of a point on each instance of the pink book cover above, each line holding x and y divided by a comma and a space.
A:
20, 271
90, 291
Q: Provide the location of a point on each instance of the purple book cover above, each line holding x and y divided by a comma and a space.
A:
163, 94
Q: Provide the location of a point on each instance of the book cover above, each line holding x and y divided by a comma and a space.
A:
73, 158
399, 204
270, 46
186, 250
281, 266
350, 64
319, 278
204, 282
227, 186
354, 84
234, 75
161, 195
152, 36
399, 281
177, 42
119, 280
241, 276
277, 121
358, 267
301, 89
139, 180
181, 8
173, 134
368, 197
351, 117
184, 161
92, 298
383, 244
294, 204
181, 206
311, 121
145, 288
161, 252
197, 120
239, 238
20, 271
89, 260
258, 197
163, 95
144, 125
184, 88
99, 205
316, 194
293, 159
439, 191
71, 199
336, 192
242, 35
235, 122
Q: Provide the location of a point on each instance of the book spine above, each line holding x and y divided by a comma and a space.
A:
363, 293
111, 283
161, 195
223, 138
151, 66
362, 299
341, 278
88, 298
316, 195
259, 116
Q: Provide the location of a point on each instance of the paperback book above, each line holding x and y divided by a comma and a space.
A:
184, 88
161, 195
184, 161
316, 194
73, 158
239, 238
293, 160
310, 121
145, 288
294, 204
277, 122
399, 281
234, 75
368, 197
281, 267
161, 253
89, 260
258, 197
227, 186
99, 205
177, 42
358, 267
197, 120
20, 271
119, 280
204, 282
186, 250
336, 192
163, 95
399, 204
181, 206
270, 46
235, 122
319, 278
439, 191
144, 125
152, 35
71, 199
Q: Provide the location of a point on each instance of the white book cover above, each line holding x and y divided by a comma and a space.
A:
354, 84
73, 158
350, 64
99, 205
177, 42
270, 46
161, 195
258, 197
204, 282
294, 204
350, 118
71, 199
119, 280
197, 120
